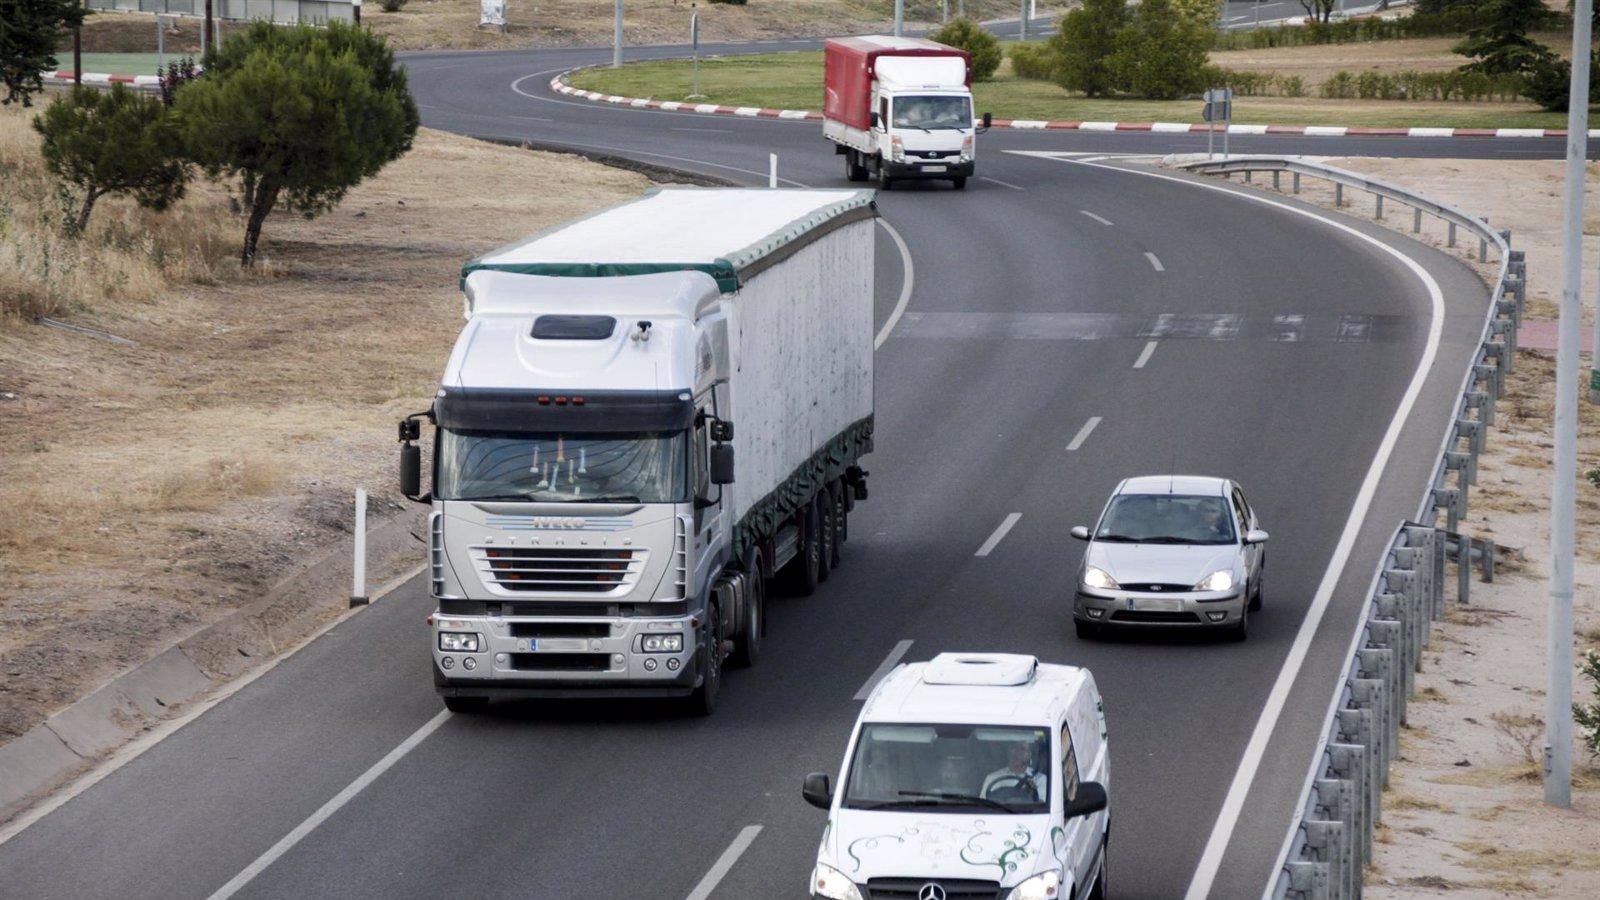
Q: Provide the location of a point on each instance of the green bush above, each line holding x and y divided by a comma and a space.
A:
29, 32
968, 35
1587, 715
1339, 86
1037, 61
1157, 56
396, 5
112, 142
1347, 31
1549, 84
1084, 44
1292, 85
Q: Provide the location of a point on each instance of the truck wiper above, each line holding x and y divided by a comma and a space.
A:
963, 798
494, 498
606, 498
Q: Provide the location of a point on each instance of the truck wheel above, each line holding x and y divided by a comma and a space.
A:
466, 705
803, 568
827, 530
747, 646
960, 183
853, 169
703, 702
885, 180
841, 519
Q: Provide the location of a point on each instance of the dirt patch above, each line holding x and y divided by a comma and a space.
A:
1315, 62
114, 32
155, 487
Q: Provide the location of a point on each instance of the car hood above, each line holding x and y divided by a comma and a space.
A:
1007, 849
1160, 563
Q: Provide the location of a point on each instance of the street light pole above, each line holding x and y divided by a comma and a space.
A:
1022, 31
899, 17
1558, 633
616, 39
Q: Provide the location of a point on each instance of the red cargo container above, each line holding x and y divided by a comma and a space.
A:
848, 72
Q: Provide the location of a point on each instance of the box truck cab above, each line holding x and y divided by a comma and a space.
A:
649, 414
971, 775
900, 108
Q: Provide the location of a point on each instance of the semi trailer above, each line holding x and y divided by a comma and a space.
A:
650, 416
900, 108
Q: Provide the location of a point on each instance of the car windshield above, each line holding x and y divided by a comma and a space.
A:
644, 467
932, 113
1167, 519
950, 768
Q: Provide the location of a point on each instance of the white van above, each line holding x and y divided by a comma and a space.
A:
971, 775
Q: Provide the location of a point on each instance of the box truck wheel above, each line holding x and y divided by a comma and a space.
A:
885, 181
466, 705
853, 169
960, 182
703, 702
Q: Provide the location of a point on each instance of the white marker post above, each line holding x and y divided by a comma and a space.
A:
616, 39
899, 17
358, 580
772, 170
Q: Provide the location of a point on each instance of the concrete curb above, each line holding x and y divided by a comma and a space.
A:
560, 85
64, 76
71, 741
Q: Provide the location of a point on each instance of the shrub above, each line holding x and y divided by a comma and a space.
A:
1292, 85
1500, 45
397, 5
178, 73
29, 30
1158, 57
112, 142
968, 35
1339, 86
1587, 715
1549, 84
1036, 61
1084, 44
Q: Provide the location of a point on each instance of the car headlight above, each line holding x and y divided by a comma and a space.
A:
1098, 578
458, 642
1216, 581
826, 881
1043, 886
663, 643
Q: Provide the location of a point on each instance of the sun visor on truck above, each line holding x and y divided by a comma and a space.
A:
515, 409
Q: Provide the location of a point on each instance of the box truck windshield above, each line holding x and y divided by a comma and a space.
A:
932, 112
644, 467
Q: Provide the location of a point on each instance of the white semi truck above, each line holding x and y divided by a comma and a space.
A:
651, 413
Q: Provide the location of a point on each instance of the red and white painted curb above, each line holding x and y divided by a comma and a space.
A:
559, 85
65, 77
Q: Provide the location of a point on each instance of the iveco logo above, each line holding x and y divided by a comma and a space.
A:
1155, 587
931, 891
554, 523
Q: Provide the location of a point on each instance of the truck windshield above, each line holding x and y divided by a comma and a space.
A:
645, 467
933, 113
954, 768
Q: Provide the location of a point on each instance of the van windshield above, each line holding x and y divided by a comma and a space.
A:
645, 467
933, 113
950, 768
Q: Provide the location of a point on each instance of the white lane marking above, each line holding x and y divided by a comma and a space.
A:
1222, 831
711, 130
889, 662
1084, 432
905, 286
1101, 219
1154, 262
332, 806
724, 863
1145, 354
199, 708
999, 535
999, 182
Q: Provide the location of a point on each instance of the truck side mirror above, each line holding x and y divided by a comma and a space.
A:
817, 791
988, 120
1091, 798
722, 464
410, 470
721, 430
874, 120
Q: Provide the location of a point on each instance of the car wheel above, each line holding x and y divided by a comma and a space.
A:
1255, 598
703, 702
1088, 631
466, 705
1241, 629
885, 180
853, 169
1100, 891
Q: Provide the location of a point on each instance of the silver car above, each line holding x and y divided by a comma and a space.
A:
1173, 550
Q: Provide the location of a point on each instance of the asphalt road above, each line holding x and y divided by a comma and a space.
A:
1207, 332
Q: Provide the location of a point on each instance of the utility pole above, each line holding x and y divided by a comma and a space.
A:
899, 17
616, 39
205, 30
77, 51
1022, 32
1558, 643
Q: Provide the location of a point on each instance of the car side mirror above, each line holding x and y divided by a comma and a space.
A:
722, 464
410, 470
817, 791
988, 120
1255, 536
1091, 798
1081, 532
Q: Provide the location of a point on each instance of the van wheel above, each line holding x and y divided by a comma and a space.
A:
1100, 891
466, 705
827, 530
1087, 631
960, 183
747, 647
703, 702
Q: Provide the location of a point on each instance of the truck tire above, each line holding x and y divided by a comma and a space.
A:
703, 702
466, 705
827, 531
853, 169
841, 518
885, 180
802, 570
960, 182
747, 645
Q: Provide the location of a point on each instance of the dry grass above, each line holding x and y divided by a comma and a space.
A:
1497, 858
1411, 801
1315, 63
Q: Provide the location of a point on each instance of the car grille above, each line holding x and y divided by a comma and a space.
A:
1158, 588
1153, 617
559, 570
560, 662
910, 888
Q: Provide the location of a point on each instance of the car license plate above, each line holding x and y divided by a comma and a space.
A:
1158, 604
934, 168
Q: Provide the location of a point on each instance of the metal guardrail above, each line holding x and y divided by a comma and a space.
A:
281, 11
1329, 844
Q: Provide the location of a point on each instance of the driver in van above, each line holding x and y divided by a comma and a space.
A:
1018, 773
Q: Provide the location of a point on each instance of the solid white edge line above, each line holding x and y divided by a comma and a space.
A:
332, 806
889, 662
1005, 184
999, 535
1154, 262
1145, 354
1083, 433
1222, 832
1101, 219
725, 863
905, 286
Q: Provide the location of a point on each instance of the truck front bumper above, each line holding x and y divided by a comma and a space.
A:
928, 169
519, 656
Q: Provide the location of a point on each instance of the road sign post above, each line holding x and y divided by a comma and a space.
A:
1218, 108
616, 38
694, 42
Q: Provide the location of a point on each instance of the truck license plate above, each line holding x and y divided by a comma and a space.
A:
934, 168
1159, 604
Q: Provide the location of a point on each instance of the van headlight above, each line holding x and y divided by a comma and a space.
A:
1043, 886
458, 642
1216, 581
1098, 578
826, 881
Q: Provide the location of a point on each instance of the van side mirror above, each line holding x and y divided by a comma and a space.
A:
988, 120
410, 470
1081, 532
722, 464
1091, 798
817, 791
1255, 536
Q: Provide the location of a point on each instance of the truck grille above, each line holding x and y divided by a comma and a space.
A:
910, 888
560, 662
560, 629
559, 570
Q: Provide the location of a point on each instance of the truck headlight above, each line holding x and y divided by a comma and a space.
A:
1216, 581
663, 643
826, 881
1098, 578
1043, 886
966, 148
897, 149
458, 642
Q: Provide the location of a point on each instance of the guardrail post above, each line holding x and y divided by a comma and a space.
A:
1484, 404
1464, 463
1327, 838
1338, 194
1473, 431
1445, 497
1502, 329
1379, 198
1371, 694
1502, 360
1452, 241
1488, 560
1489, 377
1416, 221
1296, 182
1248, 177
1275, 181
1310, 880
1463, 568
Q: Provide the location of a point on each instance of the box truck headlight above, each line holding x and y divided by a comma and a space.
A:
897, 149
826, 881
458, 642
663, 643
966, 149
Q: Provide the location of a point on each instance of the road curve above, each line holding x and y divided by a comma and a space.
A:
1198, 329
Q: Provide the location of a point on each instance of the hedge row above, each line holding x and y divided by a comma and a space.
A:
1350, 31
1446, 85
